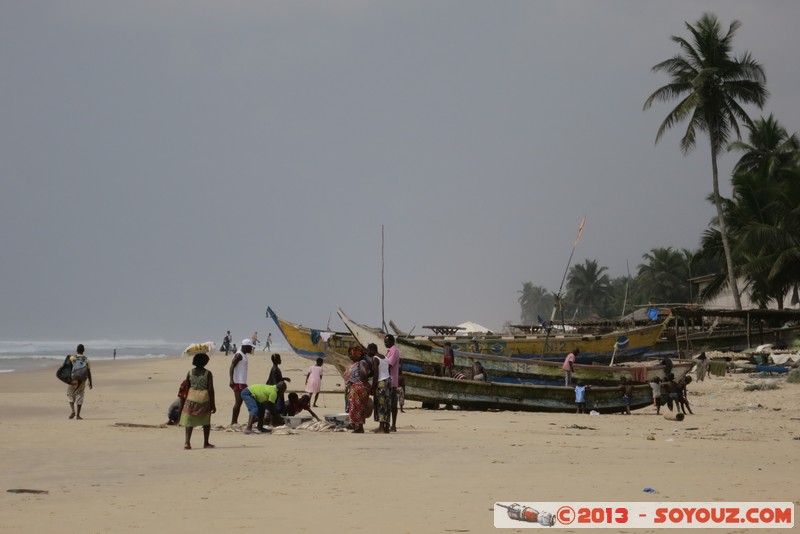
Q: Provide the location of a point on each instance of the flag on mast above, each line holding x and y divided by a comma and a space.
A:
580, 231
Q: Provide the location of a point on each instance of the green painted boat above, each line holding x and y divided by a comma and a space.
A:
426, 359
480, 395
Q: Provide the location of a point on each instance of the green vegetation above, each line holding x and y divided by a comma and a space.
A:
711, 84
755, 236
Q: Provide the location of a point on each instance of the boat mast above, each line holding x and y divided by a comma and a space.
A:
383, 312
563, 278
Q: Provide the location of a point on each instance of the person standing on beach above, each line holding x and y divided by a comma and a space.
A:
683, 400
314, 380
358, 388
569, 366
381, 388
275, 377
448, 360
226, 343
393, 356
655, 385
702, 366
238, 378
81, 374
627, 391
580, 397
199, 403
268, 342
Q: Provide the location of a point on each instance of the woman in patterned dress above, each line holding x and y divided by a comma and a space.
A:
358, 388
199, 403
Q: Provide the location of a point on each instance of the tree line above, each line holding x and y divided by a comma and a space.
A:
754, 237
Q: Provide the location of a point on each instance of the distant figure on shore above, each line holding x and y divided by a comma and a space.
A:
268, 342
226, 343
275, 377
702, 366
255, 339
238, 377
200, 402
393, 357
81, 374
627, 392
580, 397
448, 360
655, 385
381, 388
569, 366
314, 380
295, 405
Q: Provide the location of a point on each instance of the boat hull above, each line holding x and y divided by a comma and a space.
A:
473, 394
622, 345
427, 360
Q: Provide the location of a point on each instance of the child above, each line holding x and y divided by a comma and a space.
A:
674, 391
580, 396
298, 404
175, 409
627, 392
655, 385
314, 380
401, 393
199, 403
683, 401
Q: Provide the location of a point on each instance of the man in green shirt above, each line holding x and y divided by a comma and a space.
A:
259, 399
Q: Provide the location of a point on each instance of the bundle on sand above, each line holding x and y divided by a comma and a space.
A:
319, 426
763, 386
793, 377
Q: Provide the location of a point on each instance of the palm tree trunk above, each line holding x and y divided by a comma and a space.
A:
723, 230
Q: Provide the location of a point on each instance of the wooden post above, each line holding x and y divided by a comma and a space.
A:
748, 330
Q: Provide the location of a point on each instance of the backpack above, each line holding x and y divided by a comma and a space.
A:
64, 372
80, 369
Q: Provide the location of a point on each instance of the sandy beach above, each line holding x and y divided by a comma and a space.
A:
441, 472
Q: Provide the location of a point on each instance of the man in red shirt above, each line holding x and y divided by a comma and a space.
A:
568, 366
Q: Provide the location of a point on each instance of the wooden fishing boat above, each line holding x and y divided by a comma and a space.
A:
311, 343
426, 359
525, 397
622, 345
695, 328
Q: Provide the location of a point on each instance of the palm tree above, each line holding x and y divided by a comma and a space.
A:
534, 301
710, 84
764, 217
663, 278
587, 287
770, 152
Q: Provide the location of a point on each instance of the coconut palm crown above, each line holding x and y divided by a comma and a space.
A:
711, 85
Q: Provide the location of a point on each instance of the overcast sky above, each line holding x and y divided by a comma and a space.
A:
169, 169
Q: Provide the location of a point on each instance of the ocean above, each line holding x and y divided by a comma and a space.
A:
16, 356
